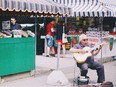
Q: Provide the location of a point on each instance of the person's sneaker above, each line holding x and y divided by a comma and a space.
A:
47, 55
62, 56
53, 55
87, 77
107, 84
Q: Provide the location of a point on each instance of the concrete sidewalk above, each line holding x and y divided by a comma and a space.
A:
66, 65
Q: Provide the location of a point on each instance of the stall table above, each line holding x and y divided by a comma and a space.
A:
69, 37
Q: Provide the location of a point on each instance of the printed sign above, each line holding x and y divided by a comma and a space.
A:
111, 43
5, 24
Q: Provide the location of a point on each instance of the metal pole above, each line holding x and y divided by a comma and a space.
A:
45, 43
58, 55
66, 21
35, 32
101, 35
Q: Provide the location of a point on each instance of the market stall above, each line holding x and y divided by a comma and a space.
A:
97, 19
17, 49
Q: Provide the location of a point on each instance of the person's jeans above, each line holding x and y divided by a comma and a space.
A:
95, 66
49, 40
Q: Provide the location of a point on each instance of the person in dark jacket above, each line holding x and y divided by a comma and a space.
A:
14, 25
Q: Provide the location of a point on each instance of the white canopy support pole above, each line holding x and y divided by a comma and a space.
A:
101, 30
58, 56
57, 78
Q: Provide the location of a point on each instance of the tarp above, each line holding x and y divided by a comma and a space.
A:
33, 6
62, 8
91, 8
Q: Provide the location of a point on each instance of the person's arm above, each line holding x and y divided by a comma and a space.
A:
20, 27
97, 51
52, 30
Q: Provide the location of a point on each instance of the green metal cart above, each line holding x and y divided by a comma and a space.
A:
16, 55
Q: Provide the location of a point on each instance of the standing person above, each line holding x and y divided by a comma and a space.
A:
49, 36
14, 25
59, 31
89, 62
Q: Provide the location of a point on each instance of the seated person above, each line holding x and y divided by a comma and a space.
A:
89, 62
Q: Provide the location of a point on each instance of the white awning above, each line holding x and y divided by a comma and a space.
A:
91, 8
36, 6
110, 4
61, 8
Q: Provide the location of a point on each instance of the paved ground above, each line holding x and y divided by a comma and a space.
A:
66, 65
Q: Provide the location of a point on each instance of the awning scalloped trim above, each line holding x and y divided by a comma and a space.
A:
35, 6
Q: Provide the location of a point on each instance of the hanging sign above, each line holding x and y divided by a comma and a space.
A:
111, 43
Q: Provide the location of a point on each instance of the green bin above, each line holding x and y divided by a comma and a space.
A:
16, 55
